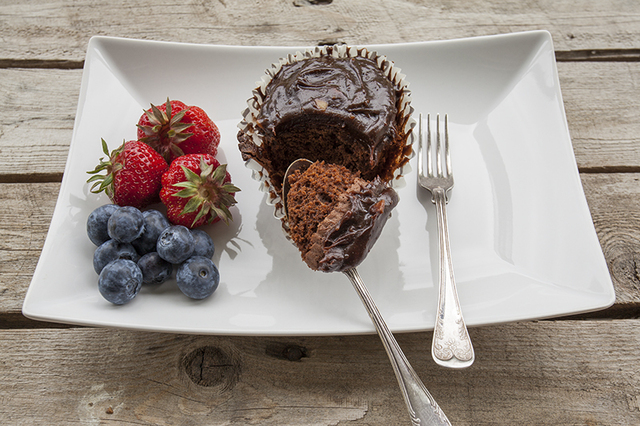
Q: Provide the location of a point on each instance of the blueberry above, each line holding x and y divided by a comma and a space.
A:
203, 244
154, 223
155, 270
97, 223
175, 244
112, 250
198, 277
126, 224
120, 281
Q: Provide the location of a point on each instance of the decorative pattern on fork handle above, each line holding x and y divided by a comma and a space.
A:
451, 345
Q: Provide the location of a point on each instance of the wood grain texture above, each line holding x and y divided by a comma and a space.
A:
617, 228
601, 102
538, 373
25, 214
562, 372
59, 30
38, 109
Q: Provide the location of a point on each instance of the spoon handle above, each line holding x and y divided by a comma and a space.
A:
423, 409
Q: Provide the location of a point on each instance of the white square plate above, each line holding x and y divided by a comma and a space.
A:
522, 238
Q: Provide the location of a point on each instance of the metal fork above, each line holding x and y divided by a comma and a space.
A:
451, 346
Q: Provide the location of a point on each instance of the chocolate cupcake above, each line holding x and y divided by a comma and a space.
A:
338, 104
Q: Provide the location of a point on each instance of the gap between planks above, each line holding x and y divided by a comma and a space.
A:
584, 55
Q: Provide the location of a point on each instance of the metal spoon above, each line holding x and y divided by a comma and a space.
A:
423, 409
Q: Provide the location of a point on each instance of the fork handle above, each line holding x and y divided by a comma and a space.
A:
451, 346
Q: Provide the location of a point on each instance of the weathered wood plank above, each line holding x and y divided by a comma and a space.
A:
542, 373
27, 208
602, 106
25, 215
38, 108
60, 30
37, 111
614, 201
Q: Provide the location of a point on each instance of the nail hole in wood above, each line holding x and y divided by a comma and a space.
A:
287, 352
303, 3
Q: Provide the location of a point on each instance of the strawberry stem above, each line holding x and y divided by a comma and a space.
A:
207, 192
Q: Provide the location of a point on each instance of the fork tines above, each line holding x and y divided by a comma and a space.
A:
443, 177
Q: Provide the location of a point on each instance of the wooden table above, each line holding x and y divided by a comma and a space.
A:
567, 371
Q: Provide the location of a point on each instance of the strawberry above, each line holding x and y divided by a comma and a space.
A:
174, 129
197, 189
133, 174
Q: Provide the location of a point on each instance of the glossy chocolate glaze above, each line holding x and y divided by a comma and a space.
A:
348, 93
346, 236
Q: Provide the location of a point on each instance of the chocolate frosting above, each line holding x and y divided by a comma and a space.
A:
347, 234
352, 91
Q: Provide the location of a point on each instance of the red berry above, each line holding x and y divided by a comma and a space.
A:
197, 189
174, 129
133, 174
